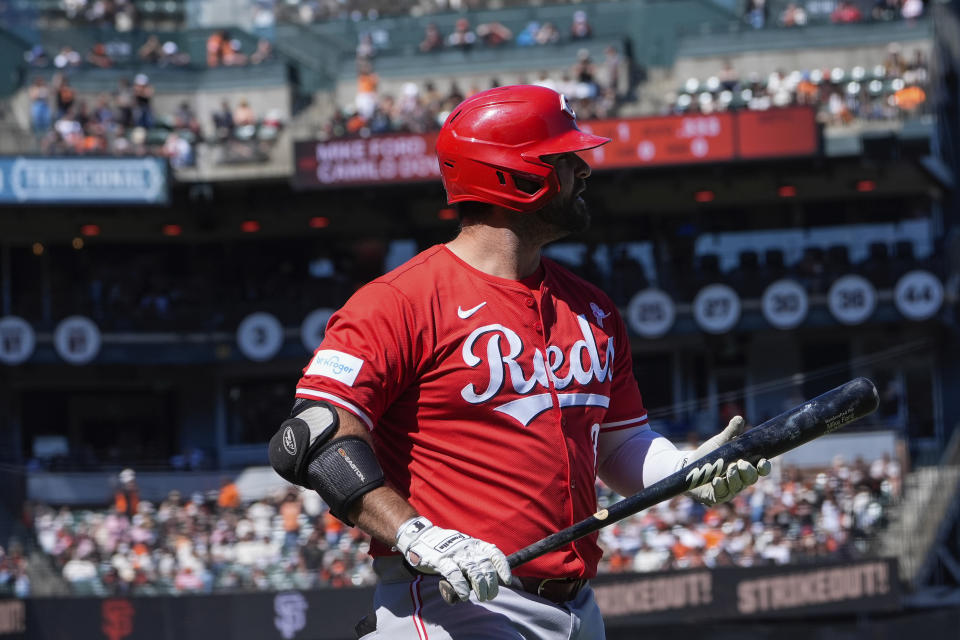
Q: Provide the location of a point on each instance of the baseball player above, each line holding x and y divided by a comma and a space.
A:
461, 406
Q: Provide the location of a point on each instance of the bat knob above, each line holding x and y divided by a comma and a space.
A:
448, 593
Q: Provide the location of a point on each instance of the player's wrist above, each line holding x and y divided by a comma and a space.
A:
410, 530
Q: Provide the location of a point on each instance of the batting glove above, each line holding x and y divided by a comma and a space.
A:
466, 563
739, 475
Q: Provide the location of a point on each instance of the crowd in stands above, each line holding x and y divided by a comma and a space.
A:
202, 543
806, 516
124, 123
494, 34
593, 89
14, 578
158, 50
756, 13
309, 11
893, 89
216, 542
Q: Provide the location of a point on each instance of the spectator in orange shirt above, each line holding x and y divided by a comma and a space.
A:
126, 499
806, 91
909, 98
229, 497
290, 514
332, 527
215, 47
367, 83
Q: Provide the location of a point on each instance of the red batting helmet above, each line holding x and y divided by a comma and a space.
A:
501, 134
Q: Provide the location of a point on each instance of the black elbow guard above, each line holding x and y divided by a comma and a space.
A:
297, 440
342, 471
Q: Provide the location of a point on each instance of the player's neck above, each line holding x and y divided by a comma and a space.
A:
497, 251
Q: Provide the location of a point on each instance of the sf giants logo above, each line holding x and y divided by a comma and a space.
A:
704, 474
117, 618
291, 613
583, 366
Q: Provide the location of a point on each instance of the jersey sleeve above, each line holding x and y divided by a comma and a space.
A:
626, 409
369, 354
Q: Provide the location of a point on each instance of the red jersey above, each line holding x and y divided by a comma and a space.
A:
485, 398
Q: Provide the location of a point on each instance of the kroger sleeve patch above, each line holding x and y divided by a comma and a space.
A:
338, 365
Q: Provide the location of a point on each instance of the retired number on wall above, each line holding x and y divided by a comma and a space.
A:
852, 299
17, 340
651, 313
77, 339
716, 308
785, 304
260, 336
918, 295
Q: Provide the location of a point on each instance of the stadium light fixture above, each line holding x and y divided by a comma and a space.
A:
704, 195
90, 230
77, 243
866, 186
319, 222
171, 230
249, 226
787, 191
37, 248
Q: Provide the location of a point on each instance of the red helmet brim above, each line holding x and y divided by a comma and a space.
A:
568, 142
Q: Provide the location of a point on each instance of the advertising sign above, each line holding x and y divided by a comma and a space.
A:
635, 142
628, 599
791, 131
662, 141
755, 592
375, 160
71, 180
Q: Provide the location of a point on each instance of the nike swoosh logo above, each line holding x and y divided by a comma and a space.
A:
469, 312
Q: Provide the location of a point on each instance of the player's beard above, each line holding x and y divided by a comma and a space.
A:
566, 214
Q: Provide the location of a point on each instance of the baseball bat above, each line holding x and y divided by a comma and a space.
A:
822, 415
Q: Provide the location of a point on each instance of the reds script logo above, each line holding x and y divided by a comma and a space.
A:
546, 369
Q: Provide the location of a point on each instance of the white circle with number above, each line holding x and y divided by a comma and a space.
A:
918, 295
77, 339
260, 336
650, 313
313, 327
716, 308
785, 304
17, 340
852, 299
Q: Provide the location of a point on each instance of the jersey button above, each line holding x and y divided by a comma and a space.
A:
530, 302
563, 421
538, 328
